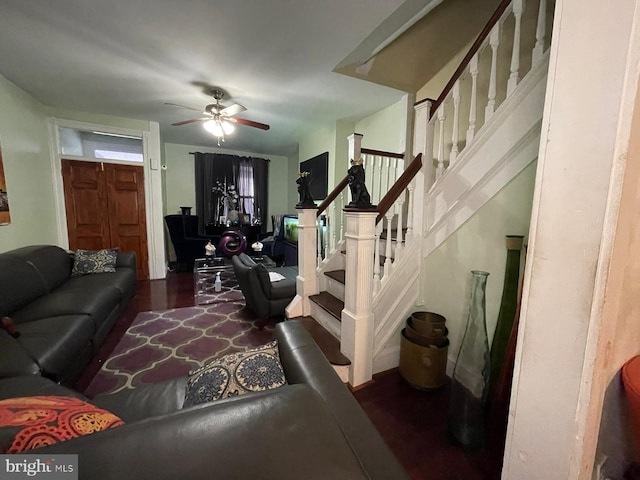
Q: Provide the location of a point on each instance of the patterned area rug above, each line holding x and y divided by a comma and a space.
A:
160, 345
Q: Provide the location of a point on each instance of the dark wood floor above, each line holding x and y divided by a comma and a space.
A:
413, 422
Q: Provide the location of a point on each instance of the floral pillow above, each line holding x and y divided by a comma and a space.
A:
32, 422
86, 262
234, 374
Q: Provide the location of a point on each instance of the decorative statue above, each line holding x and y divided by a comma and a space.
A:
306, 200
360, 197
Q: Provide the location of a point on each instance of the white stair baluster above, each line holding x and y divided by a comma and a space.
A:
387, 251
410, 189
494, 41
473, 70
454, 136
399, 233
319, 241
441, 118
541, 27
376, 260
514, 77
341, 206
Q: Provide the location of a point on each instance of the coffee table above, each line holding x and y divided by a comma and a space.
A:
204, 277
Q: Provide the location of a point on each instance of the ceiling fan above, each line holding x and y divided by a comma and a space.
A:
219, 120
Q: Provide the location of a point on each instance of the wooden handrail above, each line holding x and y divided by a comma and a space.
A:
472, 51
332, 196
369, 151
394, 192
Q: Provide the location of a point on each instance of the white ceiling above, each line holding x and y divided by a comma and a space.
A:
127, 58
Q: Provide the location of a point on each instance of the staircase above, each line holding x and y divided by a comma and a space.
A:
360, 273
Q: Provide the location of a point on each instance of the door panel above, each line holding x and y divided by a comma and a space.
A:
127, 219
85, 195
105, 208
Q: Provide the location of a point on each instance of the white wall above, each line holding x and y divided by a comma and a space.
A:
179, 178
582, 153
478, 245
25, 153
385, 129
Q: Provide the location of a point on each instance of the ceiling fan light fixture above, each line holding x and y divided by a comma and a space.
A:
214, 127
228, 127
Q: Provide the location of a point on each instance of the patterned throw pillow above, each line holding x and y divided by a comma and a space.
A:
234, 374
32, 422
86, 262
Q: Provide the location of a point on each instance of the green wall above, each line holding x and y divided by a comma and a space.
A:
478, 245
27, 166
385, 129
179, 179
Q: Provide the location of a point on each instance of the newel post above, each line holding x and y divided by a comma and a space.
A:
358, 327
307, 279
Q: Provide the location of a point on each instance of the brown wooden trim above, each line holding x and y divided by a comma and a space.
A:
332, 196
369, 151
472, 51
398, 187
423, 101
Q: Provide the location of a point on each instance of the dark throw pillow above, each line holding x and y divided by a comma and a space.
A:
234, 374
32, 422
86, 262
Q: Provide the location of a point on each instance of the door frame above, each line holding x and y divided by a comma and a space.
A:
152, 184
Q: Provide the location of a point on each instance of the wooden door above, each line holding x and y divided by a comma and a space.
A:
106, 208
85, 197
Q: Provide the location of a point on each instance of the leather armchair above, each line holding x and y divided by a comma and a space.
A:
264, 297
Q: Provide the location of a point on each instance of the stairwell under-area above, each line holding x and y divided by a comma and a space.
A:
363, 271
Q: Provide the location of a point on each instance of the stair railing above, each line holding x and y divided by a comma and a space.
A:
496, 61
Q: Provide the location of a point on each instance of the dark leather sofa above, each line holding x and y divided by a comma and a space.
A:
311, 428
61, 320
264, 297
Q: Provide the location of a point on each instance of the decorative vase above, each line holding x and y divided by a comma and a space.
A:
470, 380
508, 307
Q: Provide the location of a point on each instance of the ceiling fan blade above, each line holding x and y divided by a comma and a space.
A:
249, 123
193, 120
183, 106
232, 110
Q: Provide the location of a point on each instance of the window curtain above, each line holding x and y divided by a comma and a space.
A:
261, 190
250, 175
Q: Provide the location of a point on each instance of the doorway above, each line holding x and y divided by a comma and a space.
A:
105, 207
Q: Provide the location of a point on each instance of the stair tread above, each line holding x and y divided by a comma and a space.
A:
331, 304
337, 275
329, 344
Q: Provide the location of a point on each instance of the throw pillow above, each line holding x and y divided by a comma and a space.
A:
86, 262
234, 374
32, 422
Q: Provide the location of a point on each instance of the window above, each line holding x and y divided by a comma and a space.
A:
102, 145
245, 187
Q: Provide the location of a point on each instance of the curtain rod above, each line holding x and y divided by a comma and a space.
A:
241, 156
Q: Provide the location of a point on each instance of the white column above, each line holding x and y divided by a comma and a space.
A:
494, 41
423, 140
541, 27
307, 279
560, 380
514, 77
456, 111
473, 70
357, 333
441, 119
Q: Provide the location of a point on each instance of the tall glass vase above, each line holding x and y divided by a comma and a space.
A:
470, 380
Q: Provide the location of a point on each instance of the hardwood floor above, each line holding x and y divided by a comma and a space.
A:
413, 422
